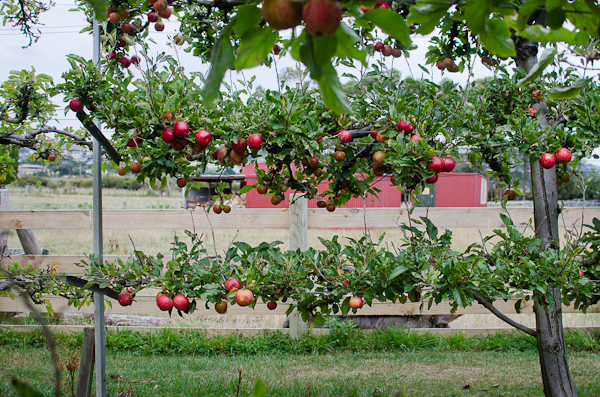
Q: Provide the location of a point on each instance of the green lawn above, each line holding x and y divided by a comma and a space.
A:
423, 372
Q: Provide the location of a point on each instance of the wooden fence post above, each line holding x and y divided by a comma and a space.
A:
29, 242
3, 232
86, 364
298, 239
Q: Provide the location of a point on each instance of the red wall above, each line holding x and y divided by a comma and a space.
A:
458, 189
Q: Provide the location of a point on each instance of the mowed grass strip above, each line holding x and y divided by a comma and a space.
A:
422, 373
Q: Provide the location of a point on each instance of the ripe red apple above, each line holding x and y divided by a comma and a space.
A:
432, 179
415, 138
435, 165
160, 5
113, 56
255, 141
414, 295
244, 297
159, 26
215, 154
339, 156
181, 182
321, 203
121, 43
240, 146
378, 170
563, 155
282, 14
179, 39
510, 194
136, 168
198, 148
374, 134
330, 206
121, 170
152, 17
379, 46
237, 158
135, 60
181, 302
261, 189
532, 111
547, 160
232, 283
383, 5
322, 17
387, 50
114, 17
404, 126
379, 157
221, 307
276, 200
76, 105
203, 137
356, 302
166, 14
271, 305
123, 13
396, 52
313, 161
126, 62
448, 164
181, 129
217, 209
164, 302
581, 273
276, 49
177, 146
344, 135
168, 136
126, 28
125, 298
380, 138
226, 209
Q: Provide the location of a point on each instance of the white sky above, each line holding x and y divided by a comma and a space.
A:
60, 37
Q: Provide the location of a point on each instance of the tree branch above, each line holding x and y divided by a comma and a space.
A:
497, 313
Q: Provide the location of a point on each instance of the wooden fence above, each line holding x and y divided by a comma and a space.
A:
267, 218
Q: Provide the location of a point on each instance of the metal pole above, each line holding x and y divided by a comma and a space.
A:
100, 337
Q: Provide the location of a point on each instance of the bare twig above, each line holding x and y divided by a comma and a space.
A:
488, 305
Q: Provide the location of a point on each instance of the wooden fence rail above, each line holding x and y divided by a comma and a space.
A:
250, 218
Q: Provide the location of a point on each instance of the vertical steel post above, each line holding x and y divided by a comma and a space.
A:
100, 337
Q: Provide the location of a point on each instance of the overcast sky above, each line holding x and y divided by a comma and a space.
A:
59, 37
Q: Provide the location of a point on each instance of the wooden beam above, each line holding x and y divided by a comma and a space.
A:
63, 263
146, 305
86, 364
274, 218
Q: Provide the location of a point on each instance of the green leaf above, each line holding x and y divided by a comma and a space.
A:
397, 271
222, 61
100, 8
556, 18
332, 92
255, 46
390, 23
569, 92
260, 390
427, 16
477, 13
346, 44
546, 59
248, 17
541, 34
497, 38
24, 390
552, 4
525, 10
506, 220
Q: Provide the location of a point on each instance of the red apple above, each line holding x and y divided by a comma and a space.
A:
203, 137
379, 46
51, 157
330, 206
244, 297
321, 203
282, 14
344, 136
159, 26
215, 154
121, 170
121, 43
181, 129
533, 111
448, 164
126, 28
181, 302
339, 156
380, 138
396, 52
563, 155
510, 194
547, 160
415, 138
160, 6
181, 182
374, 134
135, 60
255, 141
76, 105
276, 49
166, 14
164, 302
432, 179
168, 136
217, 209
404, 126
379, 157
313, 161
435, 165
356, 302
126, 62
322, 17
136, 168
276, 200
221, 307
387, 50
222, 153
232, 283
125, 298
114, 17
271, 305
240, 146
153, 17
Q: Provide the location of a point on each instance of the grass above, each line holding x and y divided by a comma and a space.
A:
343, 364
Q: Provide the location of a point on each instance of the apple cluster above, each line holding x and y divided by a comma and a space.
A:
447, 64
321, 17
179, 302
387, 50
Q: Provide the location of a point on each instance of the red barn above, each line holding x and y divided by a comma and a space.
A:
461, 189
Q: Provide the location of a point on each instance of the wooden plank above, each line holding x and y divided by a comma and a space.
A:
466, 332
65, 263
146, 305
255, 218
86, 363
